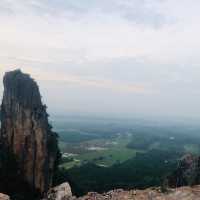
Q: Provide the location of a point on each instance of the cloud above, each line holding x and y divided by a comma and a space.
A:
98, 30
140, 11
137, 46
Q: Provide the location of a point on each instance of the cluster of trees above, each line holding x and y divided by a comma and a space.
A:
145, 170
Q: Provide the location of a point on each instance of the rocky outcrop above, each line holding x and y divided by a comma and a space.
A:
184, 193
4, 197
187, 172
25, 130
60, 192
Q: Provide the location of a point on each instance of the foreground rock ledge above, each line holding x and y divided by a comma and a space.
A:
4, 197
25, 130
183, 193
60, 192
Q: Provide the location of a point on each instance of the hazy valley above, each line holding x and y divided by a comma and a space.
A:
99, 154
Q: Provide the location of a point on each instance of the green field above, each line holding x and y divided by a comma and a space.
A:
99, 154
106, 151
107, 155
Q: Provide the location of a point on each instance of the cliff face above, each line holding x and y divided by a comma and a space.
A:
25, 130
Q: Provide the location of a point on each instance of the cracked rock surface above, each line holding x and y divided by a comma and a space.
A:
25, 130
182, 193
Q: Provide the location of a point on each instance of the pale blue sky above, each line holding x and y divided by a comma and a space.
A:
123, 57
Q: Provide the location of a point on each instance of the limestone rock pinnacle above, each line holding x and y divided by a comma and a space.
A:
25, 130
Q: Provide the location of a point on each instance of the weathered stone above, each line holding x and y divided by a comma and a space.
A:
61, 192
25, 130
187, 172
184, 193
4, 197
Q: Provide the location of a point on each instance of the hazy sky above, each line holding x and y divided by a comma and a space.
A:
124, 57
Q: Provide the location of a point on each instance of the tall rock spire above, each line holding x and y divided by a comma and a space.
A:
25, 130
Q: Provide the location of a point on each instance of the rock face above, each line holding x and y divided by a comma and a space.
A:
187, 172
60, 192
183, 193
4, 197
25, 130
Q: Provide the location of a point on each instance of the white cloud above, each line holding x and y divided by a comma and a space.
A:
101, 35
122, 43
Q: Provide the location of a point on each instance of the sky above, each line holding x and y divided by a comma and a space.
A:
117, 57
